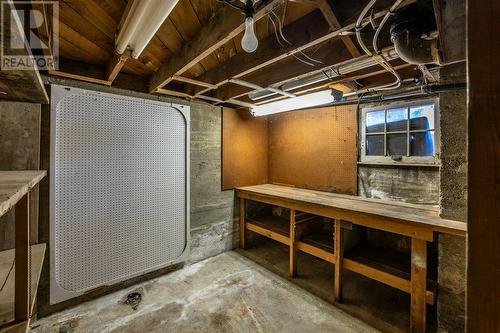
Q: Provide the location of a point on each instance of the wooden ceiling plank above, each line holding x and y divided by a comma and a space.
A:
71, 18
334, 24
93, 13
80, 42
226, 24
173, 93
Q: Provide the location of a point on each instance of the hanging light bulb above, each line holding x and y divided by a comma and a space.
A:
249, 42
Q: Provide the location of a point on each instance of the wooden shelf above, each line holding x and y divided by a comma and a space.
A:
15, 184
7, 273
388, 267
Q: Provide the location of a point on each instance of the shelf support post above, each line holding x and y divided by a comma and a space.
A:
418, 284
338, 246
242, 223
293, 245
22, 257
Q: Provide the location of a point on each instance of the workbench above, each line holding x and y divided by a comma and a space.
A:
20, 268
418, 222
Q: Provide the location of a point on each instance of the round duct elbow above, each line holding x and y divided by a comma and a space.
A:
412, 47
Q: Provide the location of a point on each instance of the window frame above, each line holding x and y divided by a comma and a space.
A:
427, 160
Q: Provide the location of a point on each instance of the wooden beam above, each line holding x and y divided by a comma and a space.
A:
483, 191
173, 93
331, 53
115, 64
225, 25
334, 24
301, 32
193, 81
79, 77
323, 40
338, 244
293, 244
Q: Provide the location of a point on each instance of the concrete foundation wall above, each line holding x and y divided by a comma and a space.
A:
19, 150
452, 249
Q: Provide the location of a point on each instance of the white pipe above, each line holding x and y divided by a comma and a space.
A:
142, 23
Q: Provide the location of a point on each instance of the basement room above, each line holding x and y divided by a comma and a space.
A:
249, 166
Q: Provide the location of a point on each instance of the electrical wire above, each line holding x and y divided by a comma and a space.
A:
230, 3
379, 59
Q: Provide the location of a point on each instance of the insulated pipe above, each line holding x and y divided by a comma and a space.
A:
142, 22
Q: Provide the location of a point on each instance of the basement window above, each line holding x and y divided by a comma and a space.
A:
400, 133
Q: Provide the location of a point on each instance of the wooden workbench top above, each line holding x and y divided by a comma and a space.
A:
426, 216
15, 184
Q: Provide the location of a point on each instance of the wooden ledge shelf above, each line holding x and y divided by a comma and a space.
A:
7, 280
15, 184
389, 268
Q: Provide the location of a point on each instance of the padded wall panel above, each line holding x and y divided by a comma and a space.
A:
119, 189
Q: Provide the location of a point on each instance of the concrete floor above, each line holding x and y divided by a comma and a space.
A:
226, 293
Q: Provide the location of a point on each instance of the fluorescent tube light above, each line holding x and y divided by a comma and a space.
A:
319, 98
142, 22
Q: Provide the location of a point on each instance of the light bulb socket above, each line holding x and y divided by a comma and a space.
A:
248, 9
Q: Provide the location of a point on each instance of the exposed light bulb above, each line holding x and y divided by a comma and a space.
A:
249, 42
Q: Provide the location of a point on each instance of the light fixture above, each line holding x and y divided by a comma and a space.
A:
319, 98
249, 42
141, 24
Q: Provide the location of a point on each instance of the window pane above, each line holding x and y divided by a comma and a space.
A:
375, 121
396, 144
396, 119
375, 145
422, 117
422, 144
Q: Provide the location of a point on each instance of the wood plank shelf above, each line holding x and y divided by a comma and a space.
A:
418, 222
15, 184
393, 269
7, 281
20, 268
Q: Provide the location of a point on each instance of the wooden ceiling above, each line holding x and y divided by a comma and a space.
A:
174, 60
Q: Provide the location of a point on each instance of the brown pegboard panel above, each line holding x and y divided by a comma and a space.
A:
244, 149
315, 149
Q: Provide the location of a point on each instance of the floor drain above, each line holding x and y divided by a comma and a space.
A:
133, 299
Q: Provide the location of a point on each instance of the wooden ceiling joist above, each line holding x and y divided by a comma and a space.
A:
301, 32
225, 25
276, 56
193, 81
333, 22
115, 65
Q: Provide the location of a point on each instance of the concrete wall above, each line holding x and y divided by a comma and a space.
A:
453, 172
213, 229
19, 150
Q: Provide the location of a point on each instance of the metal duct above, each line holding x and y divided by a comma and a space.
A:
324, 74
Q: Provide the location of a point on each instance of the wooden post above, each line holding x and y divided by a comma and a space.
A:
338, 246
293, 245
21, 267
418, 284
483, 190
242, 223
